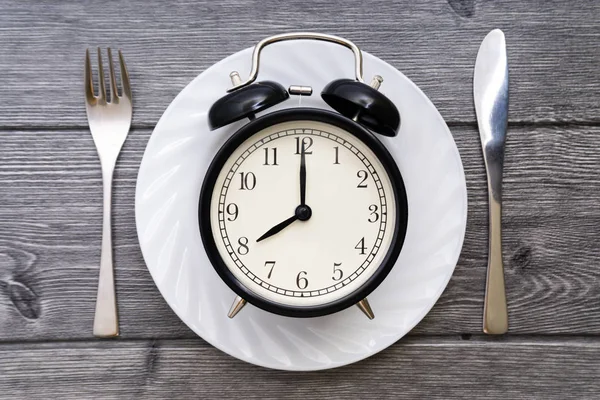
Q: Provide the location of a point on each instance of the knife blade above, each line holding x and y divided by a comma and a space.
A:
490, 92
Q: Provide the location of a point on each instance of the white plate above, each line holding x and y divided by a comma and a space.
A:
168, 187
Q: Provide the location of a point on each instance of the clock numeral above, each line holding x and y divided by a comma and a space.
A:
243, 249
301, 281
362, 174
247, 181
307, 142
337, 155
338, 274
232, 211
267, 158
361, 246
374, 214
272, 265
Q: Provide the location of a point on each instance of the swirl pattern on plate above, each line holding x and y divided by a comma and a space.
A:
168, 187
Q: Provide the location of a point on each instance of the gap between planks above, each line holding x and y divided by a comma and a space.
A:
451, 124
411, 340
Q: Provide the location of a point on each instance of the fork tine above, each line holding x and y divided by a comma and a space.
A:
124, 77
101, 87
88, 81
114, 93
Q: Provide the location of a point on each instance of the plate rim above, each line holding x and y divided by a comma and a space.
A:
372, 350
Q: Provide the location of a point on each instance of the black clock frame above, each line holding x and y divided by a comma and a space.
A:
300, 114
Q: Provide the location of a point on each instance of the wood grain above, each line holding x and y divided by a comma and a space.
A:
51, 198
552, 50
50, 231
416, 368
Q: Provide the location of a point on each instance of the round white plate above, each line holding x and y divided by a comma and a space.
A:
168, 188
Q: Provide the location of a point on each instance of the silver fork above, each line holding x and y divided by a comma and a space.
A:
109, 123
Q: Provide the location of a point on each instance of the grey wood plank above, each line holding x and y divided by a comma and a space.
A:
50, 230
552, 50
416, 368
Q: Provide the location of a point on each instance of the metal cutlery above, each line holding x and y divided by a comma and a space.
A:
490, 91
109, 122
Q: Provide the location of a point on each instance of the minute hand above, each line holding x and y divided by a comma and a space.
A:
302, 177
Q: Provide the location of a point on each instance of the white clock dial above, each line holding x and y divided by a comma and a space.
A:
309, 262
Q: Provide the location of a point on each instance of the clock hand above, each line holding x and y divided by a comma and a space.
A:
277, 228
302, 213
302, 177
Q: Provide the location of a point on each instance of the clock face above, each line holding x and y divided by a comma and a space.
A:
303, 212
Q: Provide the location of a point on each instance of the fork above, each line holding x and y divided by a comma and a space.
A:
109, 123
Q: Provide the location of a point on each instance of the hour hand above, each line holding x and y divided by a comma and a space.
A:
302, 213
277, 228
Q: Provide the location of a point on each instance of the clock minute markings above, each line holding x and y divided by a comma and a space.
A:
231, 212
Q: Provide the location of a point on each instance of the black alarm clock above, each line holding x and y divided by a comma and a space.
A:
303, 211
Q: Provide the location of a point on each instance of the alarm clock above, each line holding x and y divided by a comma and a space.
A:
303, 211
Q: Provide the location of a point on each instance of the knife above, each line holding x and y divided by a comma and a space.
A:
490, 91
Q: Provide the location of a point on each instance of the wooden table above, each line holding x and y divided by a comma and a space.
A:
50, 200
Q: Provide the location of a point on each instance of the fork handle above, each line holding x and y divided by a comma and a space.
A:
106, 323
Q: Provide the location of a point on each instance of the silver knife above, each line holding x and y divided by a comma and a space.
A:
490, 91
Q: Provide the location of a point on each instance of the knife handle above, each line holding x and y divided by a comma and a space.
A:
495, 314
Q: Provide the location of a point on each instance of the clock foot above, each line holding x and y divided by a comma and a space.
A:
237, 305
365, 307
